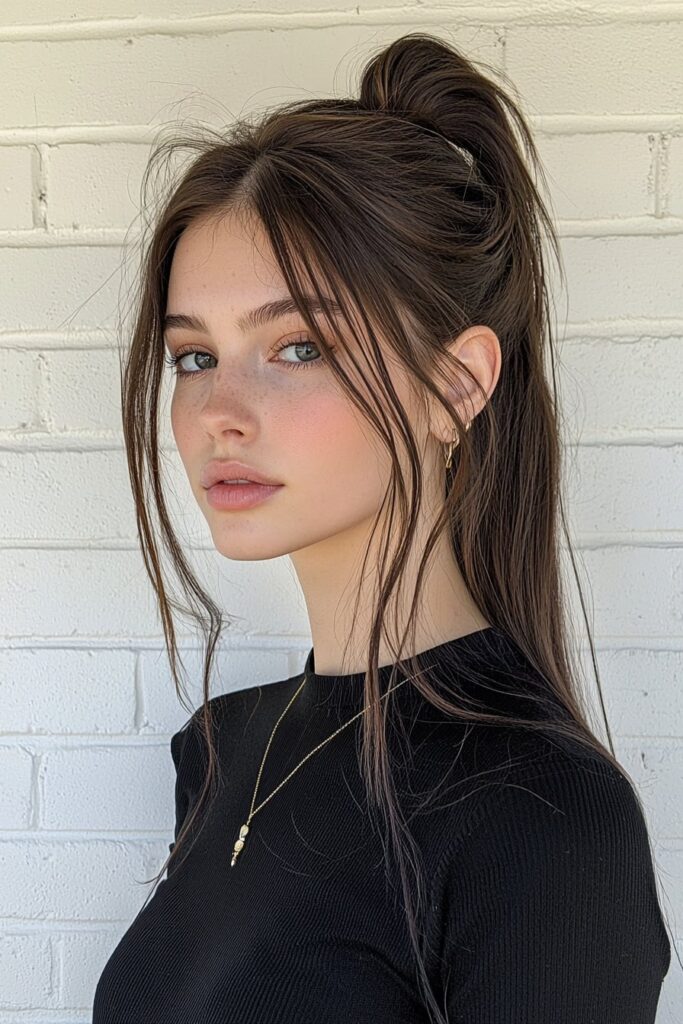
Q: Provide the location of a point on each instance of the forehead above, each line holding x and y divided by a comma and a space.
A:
225, 267
218, 257
224, 270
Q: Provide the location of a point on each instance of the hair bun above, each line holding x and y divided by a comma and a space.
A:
410, 76
422, 79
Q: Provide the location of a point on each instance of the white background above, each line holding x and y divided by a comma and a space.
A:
86, 701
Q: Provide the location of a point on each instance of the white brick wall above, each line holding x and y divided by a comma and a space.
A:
86, 704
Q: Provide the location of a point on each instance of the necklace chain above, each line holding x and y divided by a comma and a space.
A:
244, 829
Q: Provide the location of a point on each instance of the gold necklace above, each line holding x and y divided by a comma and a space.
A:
244, 829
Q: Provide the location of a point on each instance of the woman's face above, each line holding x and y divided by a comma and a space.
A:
281, 412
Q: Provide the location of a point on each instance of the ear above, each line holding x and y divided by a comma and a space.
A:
479, 349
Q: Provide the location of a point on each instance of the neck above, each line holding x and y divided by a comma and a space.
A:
329, 575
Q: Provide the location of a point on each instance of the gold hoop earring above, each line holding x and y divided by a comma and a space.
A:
454, 443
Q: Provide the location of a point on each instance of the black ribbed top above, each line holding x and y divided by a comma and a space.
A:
347, 691
541, 904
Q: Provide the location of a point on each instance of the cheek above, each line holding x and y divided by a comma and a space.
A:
181, 421
190, 438
334, 449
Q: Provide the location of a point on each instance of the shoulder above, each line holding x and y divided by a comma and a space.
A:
545, 905
565, 834
564, 798
225, 710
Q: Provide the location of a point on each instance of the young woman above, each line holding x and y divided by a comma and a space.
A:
420, 825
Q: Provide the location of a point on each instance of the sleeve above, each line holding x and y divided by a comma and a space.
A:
548, 908
188, 753
178, 741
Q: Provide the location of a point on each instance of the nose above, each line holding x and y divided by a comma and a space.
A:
227, 404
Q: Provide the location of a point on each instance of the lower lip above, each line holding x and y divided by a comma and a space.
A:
234, 497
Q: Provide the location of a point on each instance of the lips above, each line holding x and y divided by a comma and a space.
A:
237, 497
224, 471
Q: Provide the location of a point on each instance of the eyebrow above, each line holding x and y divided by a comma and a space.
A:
254, 318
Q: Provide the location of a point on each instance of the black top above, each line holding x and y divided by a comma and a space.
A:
541, 904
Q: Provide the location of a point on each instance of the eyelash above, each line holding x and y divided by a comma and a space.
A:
173, 360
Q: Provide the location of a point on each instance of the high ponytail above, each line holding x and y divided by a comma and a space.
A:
435, 87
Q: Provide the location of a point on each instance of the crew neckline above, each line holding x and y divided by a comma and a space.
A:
348, 690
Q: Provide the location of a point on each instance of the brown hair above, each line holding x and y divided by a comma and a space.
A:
416, 206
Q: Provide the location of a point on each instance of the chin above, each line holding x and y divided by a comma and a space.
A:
246, 549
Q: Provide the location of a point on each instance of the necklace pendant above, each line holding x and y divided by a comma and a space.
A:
239, 843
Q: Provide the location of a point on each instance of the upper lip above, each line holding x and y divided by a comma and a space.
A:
219, 469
